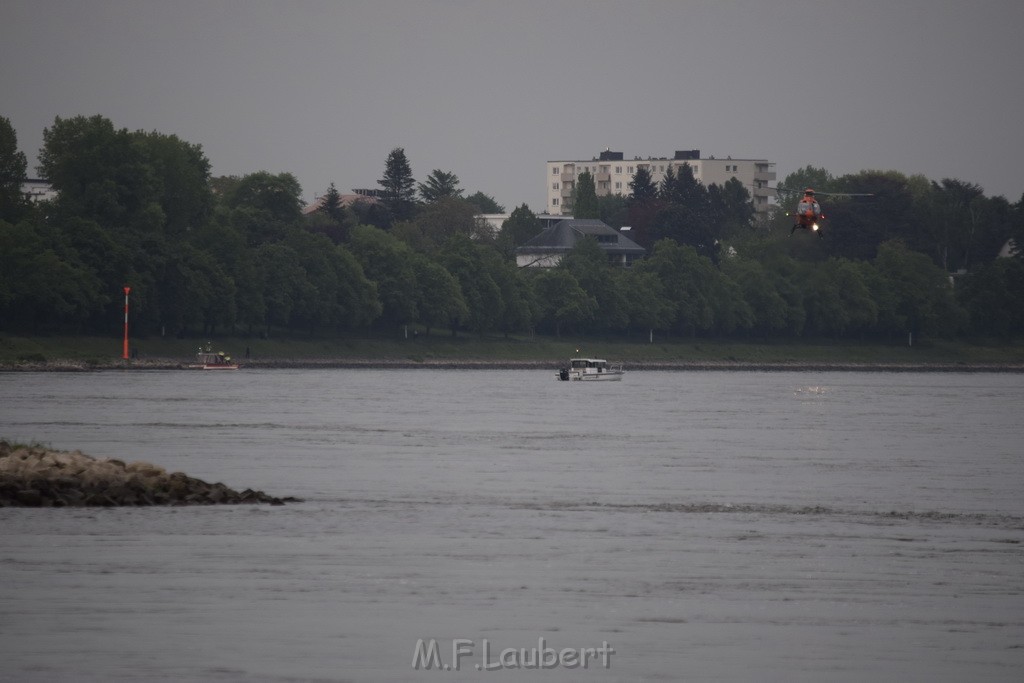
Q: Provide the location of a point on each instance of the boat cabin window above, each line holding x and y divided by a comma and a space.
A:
582, 363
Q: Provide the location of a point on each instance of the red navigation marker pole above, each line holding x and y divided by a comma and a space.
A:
126, 290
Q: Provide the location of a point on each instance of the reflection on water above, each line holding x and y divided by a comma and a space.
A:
706, 525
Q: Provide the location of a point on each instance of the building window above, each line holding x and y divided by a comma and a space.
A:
618, 169
629, 170
554, 186
554, 202
618, 185
554, 170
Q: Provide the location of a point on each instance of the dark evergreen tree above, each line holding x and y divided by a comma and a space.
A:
1017, 229
613, 210
12, 172
520, 227
642, 187
585, 203
731, 208
686, 216
644, 204
440, 185
485, 203
399, 186
331, 205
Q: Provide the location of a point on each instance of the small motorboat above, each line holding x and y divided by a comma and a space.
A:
208, 359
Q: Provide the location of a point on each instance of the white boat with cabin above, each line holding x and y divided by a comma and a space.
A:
590, 370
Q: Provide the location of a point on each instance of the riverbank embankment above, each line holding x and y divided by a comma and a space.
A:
59, 365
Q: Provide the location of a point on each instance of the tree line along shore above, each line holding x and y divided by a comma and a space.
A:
137, 215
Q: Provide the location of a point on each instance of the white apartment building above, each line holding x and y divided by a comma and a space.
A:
613, 174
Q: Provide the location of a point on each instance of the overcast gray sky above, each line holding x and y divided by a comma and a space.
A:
491, 90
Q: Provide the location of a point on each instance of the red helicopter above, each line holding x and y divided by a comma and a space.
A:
808, 215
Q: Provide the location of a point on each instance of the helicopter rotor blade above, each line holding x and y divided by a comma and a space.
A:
786, 190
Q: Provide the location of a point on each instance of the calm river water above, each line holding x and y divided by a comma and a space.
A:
697, 526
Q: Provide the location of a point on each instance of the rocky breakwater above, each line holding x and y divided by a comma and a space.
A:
33, 476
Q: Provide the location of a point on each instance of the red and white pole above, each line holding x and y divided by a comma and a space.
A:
126, 290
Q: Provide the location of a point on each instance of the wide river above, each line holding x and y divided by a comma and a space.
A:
675, 526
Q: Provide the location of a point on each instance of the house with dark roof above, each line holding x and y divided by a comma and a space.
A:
547, 249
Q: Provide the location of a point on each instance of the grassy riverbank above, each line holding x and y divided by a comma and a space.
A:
106, 352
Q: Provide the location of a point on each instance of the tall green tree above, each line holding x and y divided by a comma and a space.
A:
642, 187
809, 176
1016, 221
588, 263
561, 301
647, 306
731, 208
44, 287
677, 268
445, 217
485, 203
13, 167
181, 175
766, 305
469, 264
518, 310
837, 299
521, 226
138, 183
440, 185
278, 195
331, 204
924, 295
265, 206
287, 291
584, 203
390, 263
100, 174
441, 301
613, 209
369, 211
398, 185
344, 299
193, 292
992, 294
686, 216
856, 226
644, 205
331, 218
